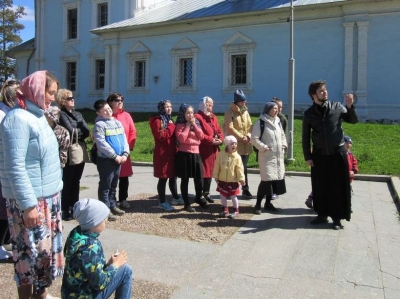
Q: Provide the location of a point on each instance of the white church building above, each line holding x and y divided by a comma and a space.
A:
183, 50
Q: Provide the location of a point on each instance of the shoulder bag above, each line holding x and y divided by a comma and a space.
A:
77, 152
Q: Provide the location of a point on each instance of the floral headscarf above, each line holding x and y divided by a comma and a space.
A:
165, 118
33, 89
181, 116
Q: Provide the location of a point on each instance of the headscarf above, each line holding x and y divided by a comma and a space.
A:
165, 118
203, 105
268, 107
33, 89
181, 116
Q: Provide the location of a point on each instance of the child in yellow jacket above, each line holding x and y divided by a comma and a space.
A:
229, 173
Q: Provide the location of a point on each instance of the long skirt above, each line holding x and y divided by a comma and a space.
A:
37, 252
188, 165
331, 186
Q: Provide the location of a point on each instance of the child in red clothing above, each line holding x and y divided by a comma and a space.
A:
229, 174
353, 169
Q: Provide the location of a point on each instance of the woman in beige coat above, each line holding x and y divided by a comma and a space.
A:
237, 122
271, 143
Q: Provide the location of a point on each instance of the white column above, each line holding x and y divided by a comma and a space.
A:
114, 67
107, 73
39, 36
348, 57
361, 92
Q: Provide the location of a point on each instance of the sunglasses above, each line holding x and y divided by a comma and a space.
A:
119, 100
70, 99
12, 82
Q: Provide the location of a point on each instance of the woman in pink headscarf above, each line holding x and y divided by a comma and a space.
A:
31, 182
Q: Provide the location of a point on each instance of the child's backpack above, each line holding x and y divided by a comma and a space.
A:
262, 125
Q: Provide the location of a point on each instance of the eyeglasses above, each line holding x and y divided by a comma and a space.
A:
70, 99
12, 82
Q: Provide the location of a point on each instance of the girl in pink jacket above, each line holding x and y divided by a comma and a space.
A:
189, 134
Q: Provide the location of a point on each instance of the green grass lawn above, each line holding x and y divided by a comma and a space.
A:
375, 146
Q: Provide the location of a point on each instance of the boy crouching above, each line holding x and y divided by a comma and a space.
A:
87, 274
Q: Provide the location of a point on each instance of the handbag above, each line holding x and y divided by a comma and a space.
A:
77, 152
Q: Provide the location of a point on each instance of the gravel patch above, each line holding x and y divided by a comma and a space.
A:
145, 217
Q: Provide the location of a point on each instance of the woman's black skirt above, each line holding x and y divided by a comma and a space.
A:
188, 165
271, 187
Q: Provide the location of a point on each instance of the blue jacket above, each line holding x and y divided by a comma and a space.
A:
110, 138
29, 163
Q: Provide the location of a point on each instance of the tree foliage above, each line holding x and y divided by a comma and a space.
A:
9, 34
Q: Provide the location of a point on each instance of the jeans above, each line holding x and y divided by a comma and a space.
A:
245, 159
72, 175
109, 174
121, 284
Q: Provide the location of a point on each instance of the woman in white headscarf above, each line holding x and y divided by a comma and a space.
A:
269, 138
209, 147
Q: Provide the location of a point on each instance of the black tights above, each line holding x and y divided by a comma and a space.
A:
198, 186
260, 198
162, 183
4, 232
206, 186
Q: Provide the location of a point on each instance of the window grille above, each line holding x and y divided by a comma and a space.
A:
102, 14
185, 72
71, 76
72, 16
140, 73
100, 73
239, 71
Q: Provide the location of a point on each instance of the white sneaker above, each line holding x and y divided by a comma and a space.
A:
7, 247
4, 254
177, 201
124, 205
274, 196
166, 206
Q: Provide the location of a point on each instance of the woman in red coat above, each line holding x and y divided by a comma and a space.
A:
163, 129
209, 147
116, 102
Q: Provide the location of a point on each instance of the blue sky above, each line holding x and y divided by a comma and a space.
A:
28, 20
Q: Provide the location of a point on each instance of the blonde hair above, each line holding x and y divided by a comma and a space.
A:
61, 95
9, 92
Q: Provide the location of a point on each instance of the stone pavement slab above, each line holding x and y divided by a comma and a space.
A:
273, 255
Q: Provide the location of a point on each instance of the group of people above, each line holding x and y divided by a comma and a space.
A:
36, 172
190, 148
35, 165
